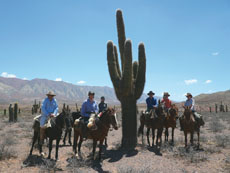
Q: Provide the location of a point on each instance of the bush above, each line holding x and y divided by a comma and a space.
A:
222, 141
6, 152
216, 125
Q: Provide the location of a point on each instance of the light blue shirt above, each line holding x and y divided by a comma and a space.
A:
88, 107
190, 102
49, 107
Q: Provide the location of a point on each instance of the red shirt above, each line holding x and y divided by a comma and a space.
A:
168, 103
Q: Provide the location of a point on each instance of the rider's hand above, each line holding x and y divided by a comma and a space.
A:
52, 115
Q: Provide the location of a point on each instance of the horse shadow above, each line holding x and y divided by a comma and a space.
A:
155, 149
43, 163
77, 162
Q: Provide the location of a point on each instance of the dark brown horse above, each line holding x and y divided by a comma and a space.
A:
105, 119
154, 121
53, 133
170, 121
189, 125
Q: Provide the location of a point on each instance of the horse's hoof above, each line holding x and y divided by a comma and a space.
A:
42, 154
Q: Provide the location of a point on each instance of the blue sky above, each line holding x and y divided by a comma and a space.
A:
187, 42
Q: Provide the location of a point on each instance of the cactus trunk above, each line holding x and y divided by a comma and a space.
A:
129, 123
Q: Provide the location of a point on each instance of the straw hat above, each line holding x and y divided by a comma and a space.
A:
188, 94
50, 93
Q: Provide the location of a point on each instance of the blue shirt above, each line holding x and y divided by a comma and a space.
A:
49, 107
190, 102
151, 103
88, 107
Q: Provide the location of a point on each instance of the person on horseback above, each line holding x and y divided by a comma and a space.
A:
102, 105
190, 102
166, 101
151, 101
49, 109
88, 107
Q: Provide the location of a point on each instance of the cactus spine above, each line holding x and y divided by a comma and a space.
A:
128, 81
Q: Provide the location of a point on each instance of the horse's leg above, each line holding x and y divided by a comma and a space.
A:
106, 144
66, 131
70, 132
185, 136
34, 140
191, 140
94, 149
79, 144
153, 135
172, 135
100, 148
57, 146
75, 139
198, 136
50, 147
148, 129
166, 134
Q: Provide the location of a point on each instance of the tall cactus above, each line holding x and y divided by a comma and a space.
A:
128, 81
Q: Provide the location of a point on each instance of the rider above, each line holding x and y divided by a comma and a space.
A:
49, 109
190, 102
151, 102
166, 101
102, 105
88, 107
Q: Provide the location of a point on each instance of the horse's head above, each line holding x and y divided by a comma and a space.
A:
160, 110
173, 111
187, 112
109, 117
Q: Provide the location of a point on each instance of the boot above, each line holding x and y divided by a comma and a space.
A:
42, 135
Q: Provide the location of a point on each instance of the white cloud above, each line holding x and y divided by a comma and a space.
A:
24, 78
208, 81
58, 79
215, 53
5, 74
190, 81
81, 82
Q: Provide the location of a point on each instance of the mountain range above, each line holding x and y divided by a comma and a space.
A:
26, 91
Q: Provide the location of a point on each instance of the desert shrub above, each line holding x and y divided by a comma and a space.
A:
128, 169
222, 140
216, 126
6, 152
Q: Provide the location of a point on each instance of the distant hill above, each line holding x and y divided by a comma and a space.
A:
212, 99
25, 91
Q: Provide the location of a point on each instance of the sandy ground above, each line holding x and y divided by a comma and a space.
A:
213, 155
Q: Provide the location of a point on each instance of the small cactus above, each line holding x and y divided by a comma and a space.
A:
15, 112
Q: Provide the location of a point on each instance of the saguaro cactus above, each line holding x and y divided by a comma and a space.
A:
128, 81
15, 112
11, 113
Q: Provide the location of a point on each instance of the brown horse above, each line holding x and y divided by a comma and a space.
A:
153, 122
106, 118
189, 125
170, 121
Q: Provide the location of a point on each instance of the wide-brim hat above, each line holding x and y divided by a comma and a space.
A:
188, 94
91, 93
166, 94
50, 93
150, 92
102, 97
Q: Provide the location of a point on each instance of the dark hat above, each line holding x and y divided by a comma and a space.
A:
188, 94
91, 93
150, 92
50, 93
102, 97
166, 94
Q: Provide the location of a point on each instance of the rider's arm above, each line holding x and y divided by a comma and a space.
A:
44, 111
193, 104
83, 109
96, 108
56, 108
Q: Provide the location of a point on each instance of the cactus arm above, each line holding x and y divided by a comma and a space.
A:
140, 80
116, 59
127, 75
121, 36
135, 69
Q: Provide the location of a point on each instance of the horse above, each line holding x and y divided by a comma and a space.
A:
105, 119
153, 123
69, 121
189, 125
170, 121
53, 133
